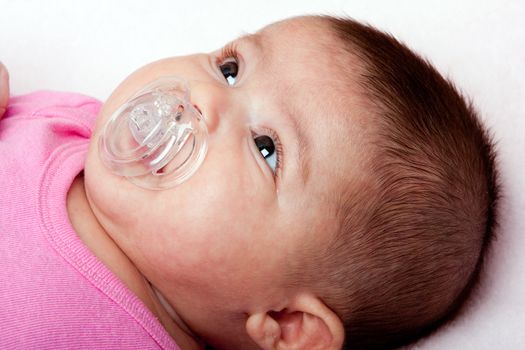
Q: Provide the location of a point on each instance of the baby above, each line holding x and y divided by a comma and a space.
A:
346, 200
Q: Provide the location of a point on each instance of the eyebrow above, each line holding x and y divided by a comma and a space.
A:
254, 38
303, 144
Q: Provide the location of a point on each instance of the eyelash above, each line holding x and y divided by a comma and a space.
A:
230, 51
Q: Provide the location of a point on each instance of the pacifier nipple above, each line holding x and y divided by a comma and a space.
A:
157, 138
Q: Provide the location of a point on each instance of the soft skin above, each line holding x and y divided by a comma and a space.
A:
221, 245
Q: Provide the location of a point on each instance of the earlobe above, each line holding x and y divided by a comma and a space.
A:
306, 323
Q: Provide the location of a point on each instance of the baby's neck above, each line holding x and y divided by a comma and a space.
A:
104, 248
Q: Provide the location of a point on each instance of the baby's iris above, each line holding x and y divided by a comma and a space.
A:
229, 70
266, 146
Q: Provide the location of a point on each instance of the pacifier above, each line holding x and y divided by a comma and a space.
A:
157, 139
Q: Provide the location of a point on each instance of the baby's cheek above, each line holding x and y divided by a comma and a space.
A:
213, 229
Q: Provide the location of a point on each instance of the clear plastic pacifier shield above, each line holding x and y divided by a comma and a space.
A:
157, 139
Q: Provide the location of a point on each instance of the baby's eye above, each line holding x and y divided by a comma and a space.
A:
266, 146
229, 70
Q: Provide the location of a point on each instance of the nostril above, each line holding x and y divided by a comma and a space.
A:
198, 109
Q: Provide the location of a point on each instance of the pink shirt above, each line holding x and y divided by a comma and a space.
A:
54, 293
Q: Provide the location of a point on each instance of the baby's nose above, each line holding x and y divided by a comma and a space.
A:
207, 100
217, 104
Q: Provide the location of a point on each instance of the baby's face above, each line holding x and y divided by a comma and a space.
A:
222, 241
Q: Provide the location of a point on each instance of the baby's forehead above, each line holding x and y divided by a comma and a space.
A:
306, 52
302, 26
299, 35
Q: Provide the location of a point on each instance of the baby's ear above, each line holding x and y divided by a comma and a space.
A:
306, 323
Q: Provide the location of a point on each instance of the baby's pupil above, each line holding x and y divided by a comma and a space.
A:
265, 145
229, 69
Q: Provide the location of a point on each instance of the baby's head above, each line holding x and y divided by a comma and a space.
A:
347, 193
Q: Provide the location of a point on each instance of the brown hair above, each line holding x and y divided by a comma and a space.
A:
405, 264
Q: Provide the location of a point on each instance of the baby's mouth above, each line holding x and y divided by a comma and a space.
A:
157, 138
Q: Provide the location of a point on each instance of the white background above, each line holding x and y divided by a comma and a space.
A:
90, 46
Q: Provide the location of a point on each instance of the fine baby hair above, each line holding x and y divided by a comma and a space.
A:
412, 239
